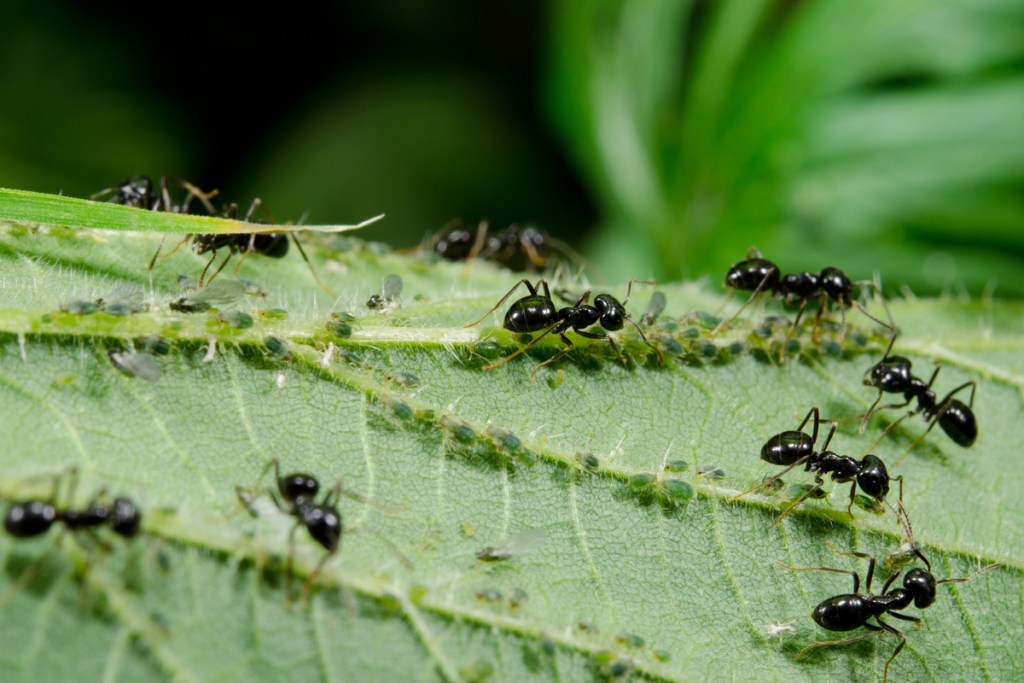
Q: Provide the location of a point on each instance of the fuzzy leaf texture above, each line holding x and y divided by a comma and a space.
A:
604, 568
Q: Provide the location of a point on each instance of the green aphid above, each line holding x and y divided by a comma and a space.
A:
589, 461
641, 481
278, 348
678, 490
239, 320
711, 472
676, 466
489, 595
79, 307
275, 314
629, 639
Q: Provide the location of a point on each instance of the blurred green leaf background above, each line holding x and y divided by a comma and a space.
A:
660, 137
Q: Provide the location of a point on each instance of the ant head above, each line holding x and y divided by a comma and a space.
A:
136, 190
753, 273
125, 518
836, 284
33, 518
203, 243
891, 374
324, 524
297, 488
613, 315
921, 584
873, 478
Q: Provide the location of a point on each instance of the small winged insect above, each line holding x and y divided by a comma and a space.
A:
33, 517
136, 364
854, 610
389, 297
537, 313
760, 276
515, 545
655, 307
123, 301
893, 375
222, 295
795, 448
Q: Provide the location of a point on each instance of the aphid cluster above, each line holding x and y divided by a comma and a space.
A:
792, 448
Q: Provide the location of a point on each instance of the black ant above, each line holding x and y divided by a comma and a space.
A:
296, 496
850, 611
517, 247
35, 517
31, 518
892, 375
269, 244
537, 312
795, 448
758, 275
137, 191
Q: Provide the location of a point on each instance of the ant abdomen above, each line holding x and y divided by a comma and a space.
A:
25, 520
843, 612
787, 448
753, 273
958, 421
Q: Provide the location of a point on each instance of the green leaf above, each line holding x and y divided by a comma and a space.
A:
609, 564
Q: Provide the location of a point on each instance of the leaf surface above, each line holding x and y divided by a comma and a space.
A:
454, 459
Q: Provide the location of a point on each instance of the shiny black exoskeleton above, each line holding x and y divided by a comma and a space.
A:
893, 375
296, 496
759, 275
517, 247
850, 611
139, 192
35, 517
794, 448
536, 312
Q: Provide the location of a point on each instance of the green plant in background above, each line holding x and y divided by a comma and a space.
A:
571, 529
882, 136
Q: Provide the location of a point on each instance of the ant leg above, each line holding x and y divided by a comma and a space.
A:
891, 325
856, 577
753, 295
899, 648
629, 288
863, 556
521, 349
192, 191
298, 245
853, 497
818, 482
608, 337
526, 281
792, 329
169, 254
312, 575
931, 425
812, 412
219, 268
768, 481
568, 347
831, 433
661, 358
874, 632
289, 567
945, 401
973, 575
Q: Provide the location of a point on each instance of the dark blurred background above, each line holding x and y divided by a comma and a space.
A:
660, 137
